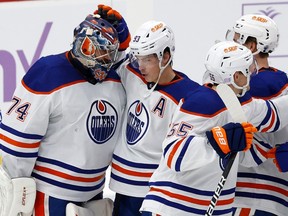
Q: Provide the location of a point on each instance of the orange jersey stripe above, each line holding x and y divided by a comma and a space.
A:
171, 155
66, 176
19, 144
60, 87
271, 123
204, 115
129, 172
262, 152
275, 95
39, 204
245, 212
190, 199
263, 186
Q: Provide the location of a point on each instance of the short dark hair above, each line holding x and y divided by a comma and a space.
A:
254, 40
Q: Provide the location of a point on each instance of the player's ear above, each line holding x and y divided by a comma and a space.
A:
252, 45
236, 76
166, 57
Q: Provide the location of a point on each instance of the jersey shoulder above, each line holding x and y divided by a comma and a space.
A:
206, 102
178, 88
50, 73
268, 83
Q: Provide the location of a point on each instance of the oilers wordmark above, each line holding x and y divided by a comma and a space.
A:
135, 123
107, 122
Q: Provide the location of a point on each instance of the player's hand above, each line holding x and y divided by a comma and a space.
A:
279, 155
116, 19
232, 137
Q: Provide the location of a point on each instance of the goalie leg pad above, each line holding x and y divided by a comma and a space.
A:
103, 207
72, 210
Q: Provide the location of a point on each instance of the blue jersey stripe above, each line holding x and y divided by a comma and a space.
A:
185, 207
189, 189
68, 186
128, 181
182, 153
263, 177
262, 196
18, 154
70, 167
20, 134
133, 164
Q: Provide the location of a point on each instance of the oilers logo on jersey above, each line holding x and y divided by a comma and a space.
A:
102, 121
137, 122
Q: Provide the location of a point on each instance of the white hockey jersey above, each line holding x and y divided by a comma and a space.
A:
61, 129
146, 122
190, 169
263, 187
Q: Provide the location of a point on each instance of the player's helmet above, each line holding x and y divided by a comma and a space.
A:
96, 45
261, 27
153, 37
224, 59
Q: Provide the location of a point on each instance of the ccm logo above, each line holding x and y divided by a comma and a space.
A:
24, 194
220, 136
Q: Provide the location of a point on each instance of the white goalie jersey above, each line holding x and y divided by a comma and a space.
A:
62, 130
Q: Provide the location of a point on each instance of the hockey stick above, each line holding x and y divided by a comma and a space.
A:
235, 110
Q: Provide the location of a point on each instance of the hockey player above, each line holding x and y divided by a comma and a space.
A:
193, 157
261, 190
153, 90
63, 123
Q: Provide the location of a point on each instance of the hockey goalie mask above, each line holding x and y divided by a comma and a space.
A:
226, 58
96, 45
260, 27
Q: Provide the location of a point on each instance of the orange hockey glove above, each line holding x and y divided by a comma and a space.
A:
116, 19
232, 137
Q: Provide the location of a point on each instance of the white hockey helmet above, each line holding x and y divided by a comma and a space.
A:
224, 59
152, 37
261, 27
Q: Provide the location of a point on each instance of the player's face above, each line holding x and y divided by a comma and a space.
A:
149, 67
241, 80
100, 54
231, 35
236, 37
103, 56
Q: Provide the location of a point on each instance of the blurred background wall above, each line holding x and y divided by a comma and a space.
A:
31, 29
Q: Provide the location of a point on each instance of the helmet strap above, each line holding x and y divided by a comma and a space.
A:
243, 88
162, 68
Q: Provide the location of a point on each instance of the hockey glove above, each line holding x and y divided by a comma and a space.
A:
279, 154
115, 18
232, 137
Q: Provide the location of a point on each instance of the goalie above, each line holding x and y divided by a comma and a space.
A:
59, 132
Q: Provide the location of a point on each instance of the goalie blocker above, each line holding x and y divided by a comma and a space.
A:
16, 195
